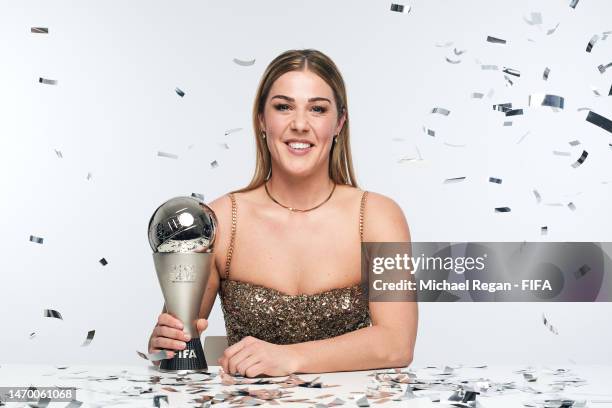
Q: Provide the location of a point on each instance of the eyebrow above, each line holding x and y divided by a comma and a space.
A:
315, 99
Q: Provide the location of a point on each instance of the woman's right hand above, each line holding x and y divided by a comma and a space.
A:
168, 334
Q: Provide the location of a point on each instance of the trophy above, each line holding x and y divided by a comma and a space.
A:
182, 234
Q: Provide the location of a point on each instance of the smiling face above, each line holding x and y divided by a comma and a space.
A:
300, 120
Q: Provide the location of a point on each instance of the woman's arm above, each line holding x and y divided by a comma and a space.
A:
390, 341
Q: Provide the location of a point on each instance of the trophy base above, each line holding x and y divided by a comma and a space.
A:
189, 360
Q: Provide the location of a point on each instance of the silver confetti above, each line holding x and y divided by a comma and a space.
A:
602, 68
168, 155
428, 131
546, 73
157, 356
88, 176
581, 159
103, 261
503, 107
600, 121
514, 112
230, 131
544, 230
58, 153
495, 180
508, 81
508, 123
477, 95
47, 81
179, 92
450, 61
571, 206
595, 91
502, 209
548, 325
52, 313
552, 30
591, 43
573, 3
454, 180
39, 30
362, 402
537, 196
553, 101
535, 19
32, 335
244, 63
574, 143
444, 45
214, 164
559, 153
458, 52
441, 111
35, 239
523, 137
512, 71
198, 196
489, 67
454, 145
399, 8
90, 336
495, 40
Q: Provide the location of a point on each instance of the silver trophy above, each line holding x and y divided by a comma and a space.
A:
182, 233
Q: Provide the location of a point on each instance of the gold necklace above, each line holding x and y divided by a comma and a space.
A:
297, 209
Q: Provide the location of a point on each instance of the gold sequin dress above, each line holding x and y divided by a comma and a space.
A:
275, 317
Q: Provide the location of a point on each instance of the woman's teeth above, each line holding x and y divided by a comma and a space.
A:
299, 145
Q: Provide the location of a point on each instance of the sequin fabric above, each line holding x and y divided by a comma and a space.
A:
279, 318
272, 316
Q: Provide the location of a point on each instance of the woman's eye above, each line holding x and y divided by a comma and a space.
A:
321, 109
281, 106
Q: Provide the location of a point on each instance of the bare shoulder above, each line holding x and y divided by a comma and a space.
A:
222, 207
384, 220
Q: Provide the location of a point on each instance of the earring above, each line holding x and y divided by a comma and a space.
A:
336, 139
263, 135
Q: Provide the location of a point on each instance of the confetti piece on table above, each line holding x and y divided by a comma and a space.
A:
362, 402
244, 63
90, 336
495, 40
47, 81
157, 356
103, 261
39, 30
37, 240
581, 159
179, 92
52, 313
158, 399
168, 155
548, 325
495, 180
600, 121
502, 209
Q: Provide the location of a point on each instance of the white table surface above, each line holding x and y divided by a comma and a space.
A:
98, 391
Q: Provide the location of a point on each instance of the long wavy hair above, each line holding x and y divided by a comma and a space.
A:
340, 162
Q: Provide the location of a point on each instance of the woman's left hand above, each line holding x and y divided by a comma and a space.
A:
251, 357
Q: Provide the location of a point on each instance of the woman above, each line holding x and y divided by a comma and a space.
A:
287, 257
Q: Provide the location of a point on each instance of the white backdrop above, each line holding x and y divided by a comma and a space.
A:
114, 108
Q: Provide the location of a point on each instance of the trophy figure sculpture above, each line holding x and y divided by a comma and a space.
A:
182, 234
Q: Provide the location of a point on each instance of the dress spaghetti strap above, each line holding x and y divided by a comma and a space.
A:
364, 196
230, 249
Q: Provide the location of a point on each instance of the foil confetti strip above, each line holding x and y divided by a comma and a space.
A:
553, 101
179, 92
581, 159
546, 73
537, 196
495, 40
103, 261
454, 180
514, 112
214, 164
244, 63
230, 131
600, 121
47, 81
559, 153
428, 131
454, 145
32, 335
508, 81
199, 196
574, 142
88, 176
441, 111
602, 68
362, 402
523, 137
35, 239
90, 336
399, 8
458, 52
548, 325
477, 95
59, 153
544, 230
39, 30
535, 19
595, 91
610, 93
168, 155
571, 206
512, 71
503, 107
592, 42
508, 123
495, 180
502, 209
489, 67
583, 270
444, 45
573, 3
552, 30
450, 61
157, 398
52, 313
157, 356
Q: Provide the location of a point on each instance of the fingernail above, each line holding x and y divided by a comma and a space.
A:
187, 337
183, 344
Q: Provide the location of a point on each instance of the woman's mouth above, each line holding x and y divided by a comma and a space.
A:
299, 148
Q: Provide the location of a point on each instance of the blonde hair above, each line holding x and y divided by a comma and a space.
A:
340, 163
